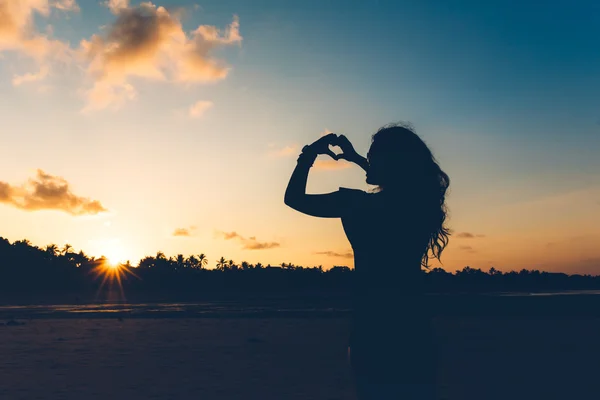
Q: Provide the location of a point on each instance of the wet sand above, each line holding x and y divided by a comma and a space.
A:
284, 358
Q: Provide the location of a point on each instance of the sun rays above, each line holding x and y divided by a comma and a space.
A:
112, 273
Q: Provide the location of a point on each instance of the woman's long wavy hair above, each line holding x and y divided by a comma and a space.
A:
401, 162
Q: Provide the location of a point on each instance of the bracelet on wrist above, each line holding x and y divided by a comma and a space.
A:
307, 156
308, 150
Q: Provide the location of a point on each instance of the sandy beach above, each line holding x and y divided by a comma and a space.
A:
283, 358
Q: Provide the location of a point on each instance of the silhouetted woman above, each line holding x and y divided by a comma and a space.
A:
393, 232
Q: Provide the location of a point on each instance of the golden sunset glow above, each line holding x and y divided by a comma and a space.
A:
111, 275
115, 256
182, 124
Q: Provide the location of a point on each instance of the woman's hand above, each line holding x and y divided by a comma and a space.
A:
348, 152
321, 146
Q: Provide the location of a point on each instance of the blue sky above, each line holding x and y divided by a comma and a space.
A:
504, 95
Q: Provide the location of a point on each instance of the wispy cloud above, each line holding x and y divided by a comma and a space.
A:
18, 80
148, 41
468, 249
347, 254
48, 192
286, 151
468, 235
331, 164
66, 5
19, 34
198, 109
249, 243
182, 232
117, 5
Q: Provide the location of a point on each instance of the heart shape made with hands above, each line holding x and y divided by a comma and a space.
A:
337, 151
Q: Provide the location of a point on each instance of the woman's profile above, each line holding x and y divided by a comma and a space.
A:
393, 230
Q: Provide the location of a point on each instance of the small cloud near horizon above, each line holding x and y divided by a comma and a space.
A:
184, 231
250, 243
468, 249
468, 235
348, 254
48, 192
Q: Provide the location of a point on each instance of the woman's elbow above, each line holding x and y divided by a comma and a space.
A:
292, 200
288, 200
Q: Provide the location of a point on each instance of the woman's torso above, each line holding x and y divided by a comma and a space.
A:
392, 333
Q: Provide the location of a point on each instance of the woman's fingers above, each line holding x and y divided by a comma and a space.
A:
332, 154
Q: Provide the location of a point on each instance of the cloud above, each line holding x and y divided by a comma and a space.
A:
5, 192
31, 77
468, 249
286, 151
331, 164
249, 243
254, 245
47, 192
184, 231
468, 235
18, 34
148, 41
198, 109
117, 5
66, 5
348, 254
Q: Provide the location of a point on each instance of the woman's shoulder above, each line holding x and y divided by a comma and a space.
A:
354, 194
353, 198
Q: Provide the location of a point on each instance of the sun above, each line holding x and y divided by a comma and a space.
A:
115, 256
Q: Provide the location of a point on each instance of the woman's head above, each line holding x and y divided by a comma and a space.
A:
400, 162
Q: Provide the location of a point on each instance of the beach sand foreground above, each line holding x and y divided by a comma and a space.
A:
284, 358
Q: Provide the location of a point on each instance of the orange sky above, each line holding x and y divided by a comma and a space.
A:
181, 137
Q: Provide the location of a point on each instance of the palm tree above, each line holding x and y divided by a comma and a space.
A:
221, 264
52, 250
287, 266
180, 261
231, 265
66, 249
202, 260
192, 262
23, 242
80, 259
161, 261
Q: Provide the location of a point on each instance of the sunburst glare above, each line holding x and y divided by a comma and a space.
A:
112, 272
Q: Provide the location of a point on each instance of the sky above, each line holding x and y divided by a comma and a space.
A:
135, 127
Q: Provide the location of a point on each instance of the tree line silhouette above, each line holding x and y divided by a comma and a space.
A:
28, 270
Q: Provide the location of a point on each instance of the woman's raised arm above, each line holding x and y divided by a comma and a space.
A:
318, 205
